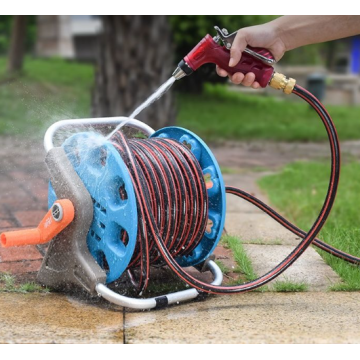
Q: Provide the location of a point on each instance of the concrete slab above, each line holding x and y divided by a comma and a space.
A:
243, 318
310, 268
237, 205
252, 318
267, 242
258, 228
56, 318
246, 181
246, 220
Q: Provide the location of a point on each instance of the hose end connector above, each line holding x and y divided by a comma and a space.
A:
281, 82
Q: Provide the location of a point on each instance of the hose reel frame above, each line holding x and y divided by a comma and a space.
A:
103, 172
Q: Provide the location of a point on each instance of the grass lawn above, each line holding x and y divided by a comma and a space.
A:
55, 89
45, 92
9, 283
298, 192
223, 114
244, 263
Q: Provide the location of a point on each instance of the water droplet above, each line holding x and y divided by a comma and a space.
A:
152, 98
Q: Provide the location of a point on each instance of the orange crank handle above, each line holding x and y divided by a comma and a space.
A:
57, 218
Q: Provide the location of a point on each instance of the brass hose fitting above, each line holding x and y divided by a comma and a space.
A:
281, 82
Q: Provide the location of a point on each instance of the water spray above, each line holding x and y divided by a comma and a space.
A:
119, 206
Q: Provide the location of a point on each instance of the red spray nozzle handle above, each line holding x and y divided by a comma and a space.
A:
208, 51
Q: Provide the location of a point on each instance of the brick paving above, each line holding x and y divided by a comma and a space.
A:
23, 199
23, 203
320, 317
24, 183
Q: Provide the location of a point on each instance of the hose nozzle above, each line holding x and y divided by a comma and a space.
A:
183, 69
178, 73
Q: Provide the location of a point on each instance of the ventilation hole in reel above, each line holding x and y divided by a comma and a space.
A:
124, 237
208, 182
104, 264
209, 226
187, 144
122, 192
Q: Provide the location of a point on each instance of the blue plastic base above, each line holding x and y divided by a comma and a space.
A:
216, 194
105, 175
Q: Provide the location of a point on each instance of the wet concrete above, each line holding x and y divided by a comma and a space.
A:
57, 318
252, 318
310, 269
243, 318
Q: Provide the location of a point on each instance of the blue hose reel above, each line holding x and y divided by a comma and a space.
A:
106, 177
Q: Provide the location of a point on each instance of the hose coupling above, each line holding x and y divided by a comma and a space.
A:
281, 82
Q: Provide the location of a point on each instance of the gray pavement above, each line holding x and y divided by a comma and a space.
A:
311, 317
248, 318
267, 243
260, 318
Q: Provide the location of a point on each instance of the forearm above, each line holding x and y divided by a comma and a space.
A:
300, 30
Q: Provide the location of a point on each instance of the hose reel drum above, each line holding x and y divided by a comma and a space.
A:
107, 179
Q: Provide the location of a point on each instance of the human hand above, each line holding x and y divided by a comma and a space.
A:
265, 36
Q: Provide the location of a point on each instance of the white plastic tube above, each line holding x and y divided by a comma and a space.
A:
172, 298
94, 122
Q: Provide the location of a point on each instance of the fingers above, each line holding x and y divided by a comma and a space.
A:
246, 80
237, 48
239, 78
221, 72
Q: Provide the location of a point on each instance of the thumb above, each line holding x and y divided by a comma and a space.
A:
238, 46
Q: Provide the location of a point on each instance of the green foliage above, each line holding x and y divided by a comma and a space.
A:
8, 284
188, 30
32, 287
5, 30
244, 268
7, 281
289, 286
31, 32
240, 256
345, 287
5, 33
299, 192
